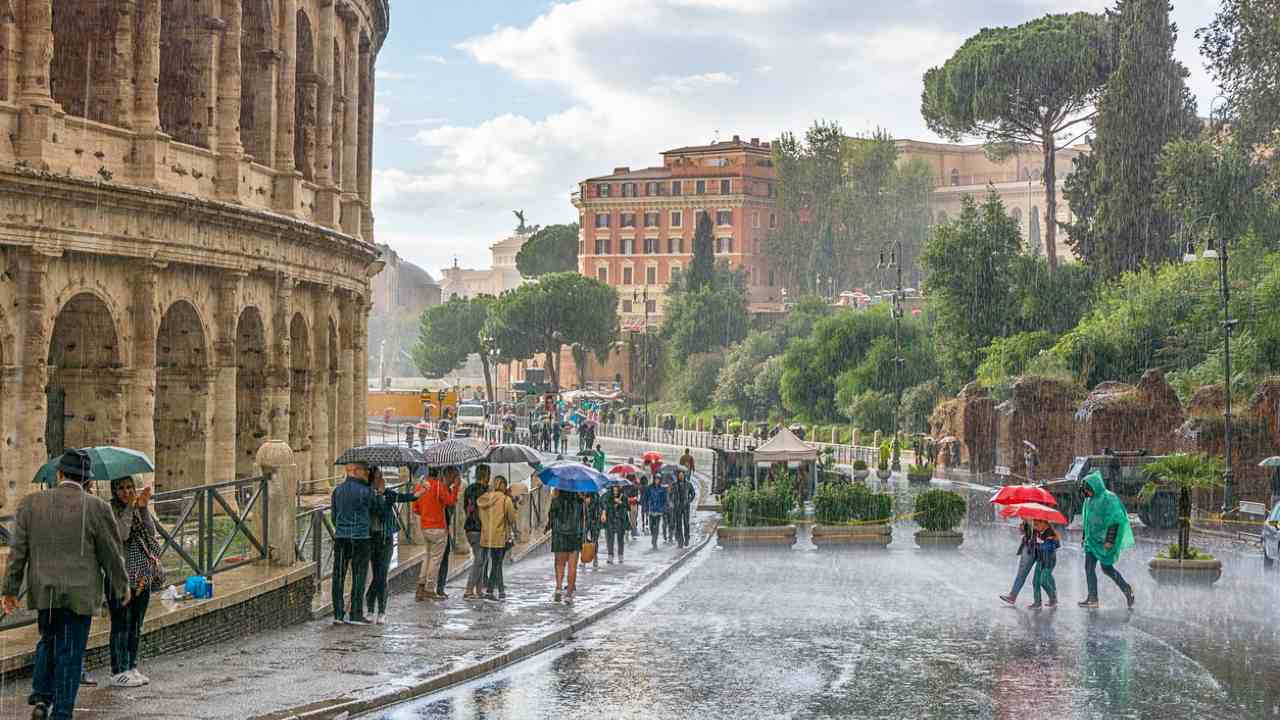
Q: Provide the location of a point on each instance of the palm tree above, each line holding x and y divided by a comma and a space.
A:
1185, 473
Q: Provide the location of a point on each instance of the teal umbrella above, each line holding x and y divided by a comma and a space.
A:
105, 463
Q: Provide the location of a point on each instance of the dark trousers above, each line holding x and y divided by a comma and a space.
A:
655, 527
1091, 576
444, 563
353, 556
617, 539
380, 547
126, 630
55, 679
496, 583
667, 523
681, 516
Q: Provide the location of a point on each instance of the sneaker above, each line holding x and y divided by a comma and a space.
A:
360, 620
380, 619
490, 596
145, 680
40, 711
1009, 599
1035, 605
1090, 603
502, 594
610, 560
568, 598
555, 597
442, 596
1053, 603
422, 594
125, 680
1129, 599
470, 595
339, 620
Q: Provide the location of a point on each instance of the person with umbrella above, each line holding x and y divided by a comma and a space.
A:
1010, 495
384, 527
565, 522
470, 504
594, 519
497, 520
142, 565
655, 507
1106, 534
351, 506
1047, 542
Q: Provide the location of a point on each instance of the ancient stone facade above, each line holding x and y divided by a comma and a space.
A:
185, 236
1040, 411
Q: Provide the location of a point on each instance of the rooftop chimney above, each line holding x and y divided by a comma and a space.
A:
755, 141
621, 170
737, 139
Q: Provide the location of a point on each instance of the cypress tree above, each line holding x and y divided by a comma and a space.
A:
702, 269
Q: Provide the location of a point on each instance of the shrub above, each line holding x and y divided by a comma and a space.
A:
886, 452
925, 469
1174, 552
939, 510
859, 464
770, 505
842, 503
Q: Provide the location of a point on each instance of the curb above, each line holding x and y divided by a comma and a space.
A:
346, 708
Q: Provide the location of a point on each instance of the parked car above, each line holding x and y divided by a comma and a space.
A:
1271, 538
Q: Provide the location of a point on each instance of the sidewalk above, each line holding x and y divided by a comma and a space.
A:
317, 665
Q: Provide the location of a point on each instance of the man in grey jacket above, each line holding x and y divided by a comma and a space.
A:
64, 541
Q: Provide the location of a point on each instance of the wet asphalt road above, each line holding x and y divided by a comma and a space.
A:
806, 633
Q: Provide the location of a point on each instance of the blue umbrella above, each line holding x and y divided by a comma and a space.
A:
573, 477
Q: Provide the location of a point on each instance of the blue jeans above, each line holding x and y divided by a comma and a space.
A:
1026, 561
55, 678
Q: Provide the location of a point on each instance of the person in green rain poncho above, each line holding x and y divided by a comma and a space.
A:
1106, 533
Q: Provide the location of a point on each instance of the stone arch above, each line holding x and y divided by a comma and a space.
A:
185, 106
339, 92
257, 84
182, 399
300, 385
306, 99
91, 72
251, 389
86, 381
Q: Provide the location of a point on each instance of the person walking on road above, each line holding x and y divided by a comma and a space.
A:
1106, 534
383, 528
617, 521
683, 495
142, 564
592, 518
1046, 549
669, 517
655, 506
687, 461
632, 494
565, 522
434, 497
1026, 561
64, 541
351, 507
497, 522
479, 558
598, 459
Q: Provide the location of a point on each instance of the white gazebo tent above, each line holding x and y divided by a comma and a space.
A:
784, 447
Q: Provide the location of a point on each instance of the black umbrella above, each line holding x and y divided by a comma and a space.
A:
514, 453
381, 455
448, 453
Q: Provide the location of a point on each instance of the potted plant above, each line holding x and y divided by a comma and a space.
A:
860, 471
1181, 563
758, 516
851, 514
920, 473
939, 512
882, 467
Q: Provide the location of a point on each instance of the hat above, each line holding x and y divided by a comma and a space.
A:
74, 464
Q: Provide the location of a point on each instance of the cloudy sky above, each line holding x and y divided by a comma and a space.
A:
492, 105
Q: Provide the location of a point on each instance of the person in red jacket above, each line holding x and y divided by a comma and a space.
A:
433, 497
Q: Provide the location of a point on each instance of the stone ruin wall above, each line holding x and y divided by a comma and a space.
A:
1042, 412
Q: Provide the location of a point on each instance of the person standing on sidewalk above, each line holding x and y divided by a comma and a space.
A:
655, 506
384, 527
1026, 561
479, 558
593, 520
1106, 534
64, 540
617, 520
682, 497
497, 522
565, 522
351, 508
142, 564
434, 497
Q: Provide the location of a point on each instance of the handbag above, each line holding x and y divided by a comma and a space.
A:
588, 552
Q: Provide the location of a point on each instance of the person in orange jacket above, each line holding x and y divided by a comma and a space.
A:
434, 496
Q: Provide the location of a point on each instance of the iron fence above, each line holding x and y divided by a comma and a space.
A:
224, 536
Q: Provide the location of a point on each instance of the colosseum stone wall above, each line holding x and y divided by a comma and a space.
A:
186, 240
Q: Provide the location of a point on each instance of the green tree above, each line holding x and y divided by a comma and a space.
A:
553, 248
703, 320
1240, 48
1144, 106
969, 283
1183, 473
451, 332
812, 365
917, 405
559, 309
1032, 84
697, 382
1215, 182
702, 269
872, 410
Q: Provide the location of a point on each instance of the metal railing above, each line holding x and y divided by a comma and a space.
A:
224, 515
316, 536
841, 454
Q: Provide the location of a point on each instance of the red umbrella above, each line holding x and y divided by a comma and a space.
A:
653, 456
1011, 494
624, 469
1033, 511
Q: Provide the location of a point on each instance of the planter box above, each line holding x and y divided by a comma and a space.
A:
939, 539
1185, 572
777, 535
918, 478
853, 535
884, 474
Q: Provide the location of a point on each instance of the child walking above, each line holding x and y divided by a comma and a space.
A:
1047, 541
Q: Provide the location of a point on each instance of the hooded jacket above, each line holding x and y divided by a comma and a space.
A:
1105, 520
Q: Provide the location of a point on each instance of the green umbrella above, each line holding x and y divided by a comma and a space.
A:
1273, 461
106, 463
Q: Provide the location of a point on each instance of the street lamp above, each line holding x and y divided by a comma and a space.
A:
642, 295
895, 262
1216, 249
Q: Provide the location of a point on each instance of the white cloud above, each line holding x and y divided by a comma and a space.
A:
392, 75
686, 84
433, 59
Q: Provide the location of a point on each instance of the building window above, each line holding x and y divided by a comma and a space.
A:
771, 277
628, 189
675, 187
955, 177
724, 245
603, 190
626, 306
602, 274
755, 219
675, 246
651, 219
628, 246
582, 247
673, 274
726, 186
700, 187
771, 190
626, 275
627, 220
718, 162
773, 220
652, 188
602, 246
724, 217
651, 306
650, 246
651, 275
602, 220
676, 218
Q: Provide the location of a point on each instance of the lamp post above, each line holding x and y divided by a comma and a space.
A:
642, 295
1216, 249
895, 262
